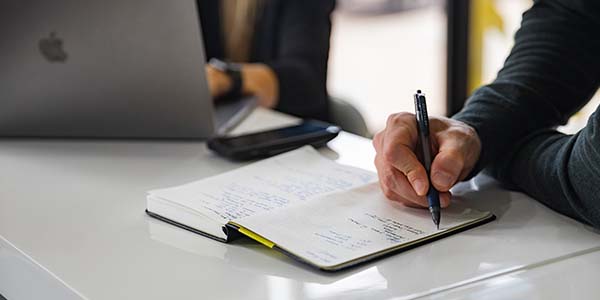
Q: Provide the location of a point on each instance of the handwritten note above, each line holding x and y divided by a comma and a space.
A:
348, 225
296, 176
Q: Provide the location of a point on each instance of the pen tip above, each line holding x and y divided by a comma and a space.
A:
418, 91
438, 226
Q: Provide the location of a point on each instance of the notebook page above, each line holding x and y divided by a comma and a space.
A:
349, 225
266, 185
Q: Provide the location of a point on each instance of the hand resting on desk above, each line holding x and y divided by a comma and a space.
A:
402, 176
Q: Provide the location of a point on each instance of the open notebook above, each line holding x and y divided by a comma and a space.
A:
319, 212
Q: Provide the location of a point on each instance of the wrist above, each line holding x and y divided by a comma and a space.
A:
474, 153
232, 72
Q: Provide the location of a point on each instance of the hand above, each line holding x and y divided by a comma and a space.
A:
218, 82
403, 178
261, 81
257, 80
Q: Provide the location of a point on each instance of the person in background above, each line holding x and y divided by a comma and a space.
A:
508, 126
281, 48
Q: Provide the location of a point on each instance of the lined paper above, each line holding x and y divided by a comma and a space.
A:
277, 182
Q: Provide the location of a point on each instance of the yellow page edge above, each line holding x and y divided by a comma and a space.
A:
251, 234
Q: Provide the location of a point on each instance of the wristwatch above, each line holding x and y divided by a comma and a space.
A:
232, 70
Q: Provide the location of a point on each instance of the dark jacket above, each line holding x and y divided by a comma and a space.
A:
292, 37
552, 71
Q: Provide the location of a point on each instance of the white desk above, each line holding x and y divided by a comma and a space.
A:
72, 226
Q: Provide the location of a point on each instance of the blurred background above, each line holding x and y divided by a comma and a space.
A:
383, 50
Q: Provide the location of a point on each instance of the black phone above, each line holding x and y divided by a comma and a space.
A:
272, 142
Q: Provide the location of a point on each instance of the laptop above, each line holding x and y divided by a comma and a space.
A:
107, 69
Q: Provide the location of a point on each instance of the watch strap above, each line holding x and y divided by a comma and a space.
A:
234, 73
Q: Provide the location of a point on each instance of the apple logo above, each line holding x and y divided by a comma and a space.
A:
52, 49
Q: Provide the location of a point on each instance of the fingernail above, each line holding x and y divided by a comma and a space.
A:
443, 179
419, 186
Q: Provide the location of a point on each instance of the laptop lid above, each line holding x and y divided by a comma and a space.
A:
113, 68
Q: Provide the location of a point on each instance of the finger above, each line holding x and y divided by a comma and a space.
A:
445, 198
396, 187
409, 198
416, 201
405, 161
398, 143
406, 191
392, 195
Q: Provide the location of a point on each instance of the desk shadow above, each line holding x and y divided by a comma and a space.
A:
486, 194
329, 153
483, 194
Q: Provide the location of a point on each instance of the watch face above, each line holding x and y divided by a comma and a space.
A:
218, 64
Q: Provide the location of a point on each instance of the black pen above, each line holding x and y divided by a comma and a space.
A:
433, 196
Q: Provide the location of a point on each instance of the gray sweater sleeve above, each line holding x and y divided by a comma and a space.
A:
552, 71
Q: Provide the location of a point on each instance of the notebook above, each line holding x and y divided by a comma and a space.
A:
321, 213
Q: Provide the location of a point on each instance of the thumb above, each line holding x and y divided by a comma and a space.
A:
448, 164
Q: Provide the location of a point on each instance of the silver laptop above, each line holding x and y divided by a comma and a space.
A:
112, 68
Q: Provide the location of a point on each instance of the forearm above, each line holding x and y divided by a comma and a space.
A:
561, 171
551, 72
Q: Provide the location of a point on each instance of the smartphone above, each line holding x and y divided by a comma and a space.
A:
272, 142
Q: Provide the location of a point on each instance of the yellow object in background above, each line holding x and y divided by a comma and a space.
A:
483, 16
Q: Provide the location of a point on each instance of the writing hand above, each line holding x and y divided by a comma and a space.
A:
402, 176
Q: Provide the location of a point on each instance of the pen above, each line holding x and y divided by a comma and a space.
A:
433, 196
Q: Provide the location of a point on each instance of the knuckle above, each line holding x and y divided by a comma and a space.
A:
405, 115
413, 174
377, 139
389, 155
470, 132
462, 132
404, 131
392, 119
406, 134
437, 123
388, 180
387, 192
398, 119
408, 166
